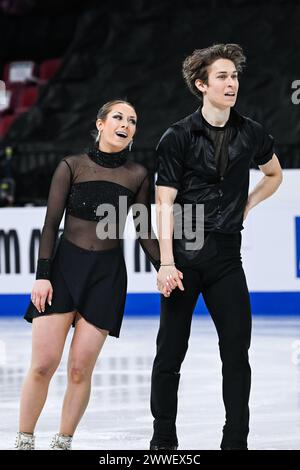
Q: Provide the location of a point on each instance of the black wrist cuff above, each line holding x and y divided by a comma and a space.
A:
43, 269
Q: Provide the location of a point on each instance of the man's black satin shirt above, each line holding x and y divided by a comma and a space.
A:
187, 161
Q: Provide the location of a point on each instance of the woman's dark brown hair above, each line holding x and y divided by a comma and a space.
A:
106, 108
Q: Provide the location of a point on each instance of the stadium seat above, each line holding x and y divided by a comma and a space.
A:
5, 123
48, 68
28, 96
19, 71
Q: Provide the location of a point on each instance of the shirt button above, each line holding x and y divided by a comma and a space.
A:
220, 192
222, 178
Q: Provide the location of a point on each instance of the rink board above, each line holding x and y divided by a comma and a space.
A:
270, 253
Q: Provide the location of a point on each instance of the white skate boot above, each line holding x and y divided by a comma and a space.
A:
61, 442
25, 441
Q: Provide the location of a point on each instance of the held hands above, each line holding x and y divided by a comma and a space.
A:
41, 292
168, 278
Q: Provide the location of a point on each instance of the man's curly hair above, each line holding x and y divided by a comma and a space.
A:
195, 65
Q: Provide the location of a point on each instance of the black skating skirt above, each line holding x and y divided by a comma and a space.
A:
94, 283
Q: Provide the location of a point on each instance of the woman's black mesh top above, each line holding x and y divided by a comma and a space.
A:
84, 185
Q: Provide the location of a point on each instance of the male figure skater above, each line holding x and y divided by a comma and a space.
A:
205, 159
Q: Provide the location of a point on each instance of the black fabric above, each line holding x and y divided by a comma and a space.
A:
189, 258
90, 282
109, 160
43, 269
82, 186
187, 161
220, 137
222, 282
86, 196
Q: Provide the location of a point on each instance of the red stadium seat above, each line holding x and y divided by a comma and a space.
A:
27, 97
5, 123
48, 68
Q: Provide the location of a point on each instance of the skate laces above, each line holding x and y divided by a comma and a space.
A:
61, 442
24, 441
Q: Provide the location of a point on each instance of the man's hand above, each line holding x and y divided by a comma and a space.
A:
168, 278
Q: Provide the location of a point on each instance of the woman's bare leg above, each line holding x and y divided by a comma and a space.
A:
48, 338
86, 345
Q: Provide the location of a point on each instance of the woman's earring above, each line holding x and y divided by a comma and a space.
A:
98, 136
130, 145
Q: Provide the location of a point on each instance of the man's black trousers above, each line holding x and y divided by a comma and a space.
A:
221, 281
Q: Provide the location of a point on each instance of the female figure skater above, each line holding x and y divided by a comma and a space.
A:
83, 281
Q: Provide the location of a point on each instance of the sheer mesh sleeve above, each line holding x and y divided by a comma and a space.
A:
143, 226
59, 190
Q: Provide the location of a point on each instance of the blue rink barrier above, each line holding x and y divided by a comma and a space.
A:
263, 303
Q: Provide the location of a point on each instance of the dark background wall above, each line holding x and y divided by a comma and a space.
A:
134, 50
